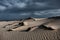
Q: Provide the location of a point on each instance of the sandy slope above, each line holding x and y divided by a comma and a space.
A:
38, 34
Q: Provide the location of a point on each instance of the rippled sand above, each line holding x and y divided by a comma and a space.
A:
38, 34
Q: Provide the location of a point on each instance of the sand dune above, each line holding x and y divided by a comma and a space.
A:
52, 23
31, 29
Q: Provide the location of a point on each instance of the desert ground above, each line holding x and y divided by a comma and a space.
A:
31, 29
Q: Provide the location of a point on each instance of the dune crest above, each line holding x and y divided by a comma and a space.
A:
31, 24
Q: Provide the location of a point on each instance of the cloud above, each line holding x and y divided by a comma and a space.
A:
25, 14
41, 4
2, 7
37, 13
29, 4
23, 4
45, 13
20, 5
54, 12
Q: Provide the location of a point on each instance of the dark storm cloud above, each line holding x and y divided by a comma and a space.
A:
29, 4
17, 9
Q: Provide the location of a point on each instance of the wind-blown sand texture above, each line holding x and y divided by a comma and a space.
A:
38, 29
34, 35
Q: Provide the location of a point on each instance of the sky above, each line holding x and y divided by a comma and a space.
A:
28, 8
29, 4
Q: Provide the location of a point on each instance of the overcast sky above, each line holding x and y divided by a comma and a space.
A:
16, 9
29, 4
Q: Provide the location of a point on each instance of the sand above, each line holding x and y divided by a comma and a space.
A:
36, 34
